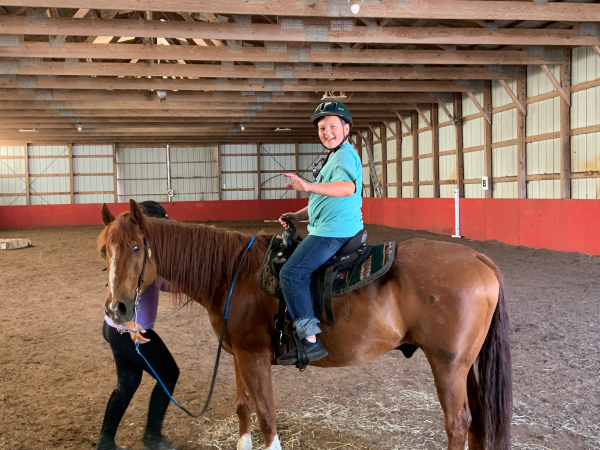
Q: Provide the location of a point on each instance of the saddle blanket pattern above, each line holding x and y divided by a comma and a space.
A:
373, 267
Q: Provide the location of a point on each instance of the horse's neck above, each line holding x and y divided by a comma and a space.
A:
198, 260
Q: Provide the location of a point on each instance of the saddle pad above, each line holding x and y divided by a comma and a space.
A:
373, 267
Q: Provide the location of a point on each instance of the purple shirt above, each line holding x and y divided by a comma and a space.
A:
148, 305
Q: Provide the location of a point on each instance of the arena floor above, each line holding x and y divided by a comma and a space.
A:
56, 371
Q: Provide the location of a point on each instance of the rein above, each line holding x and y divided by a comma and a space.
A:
222, 336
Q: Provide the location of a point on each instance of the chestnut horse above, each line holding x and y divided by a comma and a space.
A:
446, 299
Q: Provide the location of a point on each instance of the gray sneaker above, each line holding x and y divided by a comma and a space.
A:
314, 352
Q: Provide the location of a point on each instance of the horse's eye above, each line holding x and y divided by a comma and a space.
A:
136, 249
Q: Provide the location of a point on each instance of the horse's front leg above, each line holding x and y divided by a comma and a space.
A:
243, 410
255, 369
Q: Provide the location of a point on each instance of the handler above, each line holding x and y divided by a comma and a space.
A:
334, 216
130, 364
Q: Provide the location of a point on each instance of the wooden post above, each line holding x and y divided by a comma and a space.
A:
521, 126
219, 169
384, 180
487, 138
297, 153
71, 173
26, 156
398, 159
435, 145
459, 144
114, 157
370, 141
414, 124
565, 127
259, 190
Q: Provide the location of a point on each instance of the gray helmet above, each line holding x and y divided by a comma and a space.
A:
332, 108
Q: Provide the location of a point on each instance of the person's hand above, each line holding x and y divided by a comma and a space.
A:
297, 183
137, 336
292, 217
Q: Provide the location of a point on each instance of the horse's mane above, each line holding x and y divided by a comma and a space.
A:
199, 260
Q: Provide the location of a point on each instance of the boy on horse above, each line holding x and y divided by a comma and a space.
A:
334, 214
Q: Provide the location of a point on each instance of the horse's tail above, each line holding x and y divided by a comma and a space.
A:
490, 393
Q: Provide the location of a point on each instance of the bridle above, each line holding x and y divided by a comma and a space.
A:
138, 289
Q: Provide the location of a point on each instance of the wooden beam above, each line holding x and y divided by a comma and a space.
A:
370, 141
565, 125
259, 188
515, 99
220, 171
487, 137
415, 153
443, 105
260, 54
71, 181
596, 49
398, 160
391, 130
566, 97
459, 145
200, 32
521, 136
427, 123
374, 132
384, 180
424, 9
27, 188
435, 145
409, 129
487, 115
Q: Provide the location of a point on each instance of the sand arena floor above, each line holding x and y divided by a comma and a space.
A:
56, 371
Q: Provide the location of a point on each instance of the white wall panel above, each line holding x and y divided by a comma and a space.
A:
377, 154
447, 138
585, 152
194, 173
474, 191
469, 107
366, 182
543, 189
407, 171
421, 122
239, 163
48, 150
407, 147
543, 157
392, 192
50, 199
142, 174
499, 95
585, 107
94, 198
391, 144
447, 167
585, 188
473, 165
585, 65
504, 126
543, 117
473, 133
447, 190
442, 116
425, 143
92, 165
82, 150
407, 192
408, 120
283, 164
426, 169
538, 82
504, 161
425, 191
506, 190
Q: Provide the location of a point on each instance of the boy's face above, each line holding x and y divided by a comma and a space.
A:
331, 131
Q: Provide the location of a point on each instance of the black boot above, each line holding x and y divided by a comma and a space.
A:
314, 351
159, 401
107, 443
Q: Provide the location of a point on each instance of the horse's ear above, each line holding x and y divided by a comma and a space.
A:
136, 213
107, 216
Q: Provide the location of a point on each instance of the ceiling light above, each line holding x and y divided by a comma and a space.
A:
79, 127
283, 129
331, 97
242, 127
355, 6
25, 130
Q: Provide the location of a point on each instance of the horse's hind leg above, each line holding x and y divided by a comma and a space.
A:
451, 384
256, 372
243, 410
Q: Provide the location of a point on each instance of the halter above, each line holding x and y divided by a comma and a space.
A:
138, 289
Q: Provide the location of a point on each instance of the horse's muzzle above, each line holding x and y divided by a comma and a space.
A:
119, 312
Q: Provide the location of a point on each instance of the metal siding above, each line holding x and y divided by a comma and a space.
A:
407, 147
425, 143
473, 133
585, 65
189, 168
282, 164
407, 191
12, 167
504, 126
473, 165
543, 189
425, 191
469, 107
447, 138
442, 116
499, 95
142, 174
239, 163
474, 191
506, 190
538, 82
543, 117
377, 155
447, 190
447, 167
407, 171
392, 192
543, 157
504, 161
426, 169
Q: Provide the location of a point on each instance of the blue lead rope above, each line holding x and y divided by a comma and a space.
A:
214, 378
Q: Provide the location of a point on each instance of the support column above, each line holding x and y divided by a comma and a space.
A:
71, 190
487, 138
219, 169
370, 141
114, 158
565, 127
459, 144
435, 145
398, 159
384, 181
414, 125
521, 127
26, 156
259, 187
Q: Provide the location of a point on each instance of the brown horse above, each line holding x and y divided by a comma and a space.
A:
446, 299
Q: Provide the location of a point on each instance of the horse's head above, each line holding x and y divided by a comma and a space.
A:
123, 245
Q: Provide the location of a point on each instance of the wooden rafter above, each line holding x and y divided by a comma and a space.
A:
374, 133
396, 135
556, 84
424, 9
422, 115
409, 129
596, 49
514, 98
485, 114
443, 105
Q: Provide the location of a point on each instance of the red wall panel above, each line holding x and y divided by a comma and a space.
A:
502, 220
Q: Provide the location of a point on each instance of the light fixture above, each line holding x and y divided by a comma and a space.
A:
79, 127
283, 129
242, 127
25, 130
331, 97
355, 6
162, 95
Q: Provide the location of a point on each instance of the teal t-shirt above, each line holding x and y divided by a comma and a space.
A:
338, 216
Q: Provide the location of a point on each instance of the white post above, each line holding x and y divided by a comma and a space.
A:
456, 213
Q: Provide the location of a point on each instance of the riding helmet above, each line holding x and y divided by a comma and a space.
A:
332, 108
153, 209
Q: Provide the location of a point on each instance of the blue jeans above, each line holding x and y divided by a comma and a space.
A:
311, 254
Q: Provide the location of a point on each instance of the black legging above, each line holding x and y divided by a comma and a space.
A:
130, 367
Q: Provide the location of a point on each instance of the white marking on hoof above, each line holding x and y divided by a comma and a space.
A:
245, 442
275, 445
